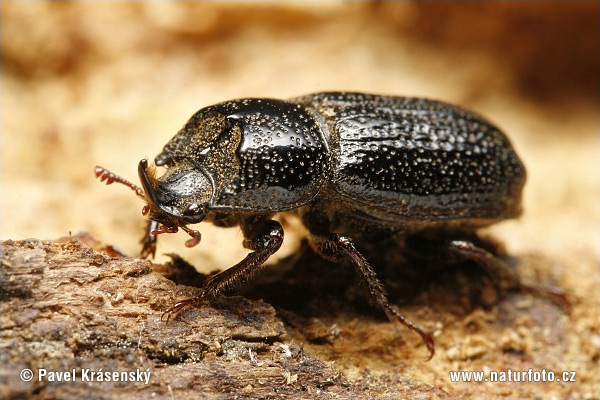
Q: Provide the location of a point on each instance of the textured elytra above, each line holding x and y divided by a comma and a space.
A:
419, 158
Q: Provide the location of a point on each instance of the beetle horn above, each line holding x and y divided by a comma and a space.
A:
147, 183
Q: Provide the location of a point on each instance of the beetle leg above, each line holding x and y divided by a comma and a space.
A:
334, 247
149, 240
263, 236
502, 272
153, 229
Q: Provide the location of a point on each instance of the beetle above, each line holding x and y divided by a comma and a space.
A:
347, 164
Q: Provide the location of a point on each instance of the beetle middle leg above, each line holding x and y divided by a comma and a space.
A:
264, 237
336, 247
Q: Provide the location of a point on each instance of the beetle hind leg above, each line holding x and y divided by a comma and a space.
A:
335, 247
506, 276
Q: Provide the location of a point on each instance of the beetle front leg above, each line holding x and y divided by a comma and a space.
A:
262, 235
335, 247
149, 240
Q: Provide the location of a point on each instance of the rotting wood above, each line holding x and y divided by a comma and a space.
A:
68, 306
77, 303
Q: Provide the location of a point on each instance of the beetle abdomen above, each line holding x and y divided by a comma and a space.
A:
419, 158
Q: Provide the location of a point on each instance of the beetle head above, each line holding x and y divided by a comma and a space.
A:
177, 198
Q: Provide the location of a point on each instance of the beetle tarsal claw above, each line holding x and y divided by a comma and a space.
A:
180, 305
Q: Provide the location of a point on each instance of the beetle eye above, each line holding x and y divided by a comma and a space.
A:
192, 209
193, 214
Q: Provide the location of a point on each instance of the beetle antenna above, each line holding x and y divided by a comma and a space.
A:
109, 177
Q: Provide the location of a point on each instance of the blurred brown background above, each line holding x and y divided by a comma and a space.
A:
87, 83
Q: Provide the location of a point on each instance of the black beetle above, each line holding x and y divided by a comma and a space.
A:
348, 164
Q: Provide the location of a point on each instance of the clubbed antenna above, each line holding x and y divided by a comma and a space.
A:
109, 177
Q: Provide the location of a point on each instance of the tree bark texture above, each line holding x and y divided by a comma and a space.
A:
76, 304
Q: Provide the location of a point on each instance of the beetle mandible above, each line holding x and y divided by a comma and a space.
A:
347, 164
